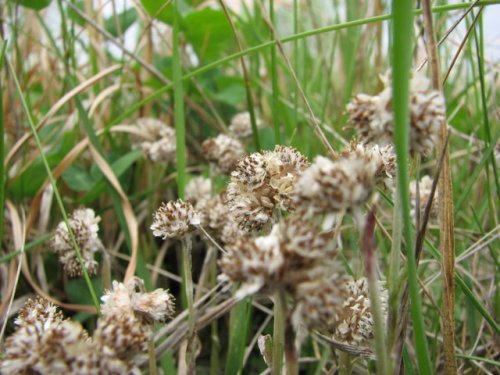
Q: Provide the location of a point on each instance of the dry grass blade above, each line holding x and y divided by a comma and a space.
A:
445, 198
127, 210
356, 351
18, 234
59, 104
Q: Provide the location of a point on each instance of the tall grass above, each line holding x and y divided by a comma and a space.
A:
295, 69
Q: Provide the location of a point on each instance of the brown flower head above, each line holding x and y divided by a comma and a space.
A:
83, 223
294, 251
383, 158
174, 219
354, 322
223, 151
157, 140
241, 125
198, 191
262, 183
372, 116
329, 186
131, 299
45, 344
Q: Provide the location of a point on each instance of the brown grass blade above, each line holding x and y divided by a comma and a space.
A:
445, 198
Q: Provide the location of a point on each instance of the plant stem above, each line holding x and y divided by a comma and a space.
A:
280, 312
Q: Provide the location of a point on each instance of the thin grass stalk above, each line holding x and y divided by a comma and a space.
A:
59, 200
395, 266
274, 82
263, 46
180, 126
383, 365
246, 79
2, 143
445, 201
402, 34
291, 355
484, 102
280, 312
189, 292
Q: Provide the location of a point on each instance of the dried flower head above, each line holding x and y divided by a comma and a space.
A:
354, 322
317, 300
383, 158
83, 223
372, 116
329, 186
45, 344
157, 140
241, 125
131, 299
262, 183
198, 191
294, 251
425, 188
174, 219
224, 151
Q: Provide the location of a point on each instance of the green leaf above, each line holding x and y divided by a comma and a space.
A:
164, 13
75, 17
119, 167
77, 291
33, 4
239, 321
125, 20
78, 179
209, 32
230, 90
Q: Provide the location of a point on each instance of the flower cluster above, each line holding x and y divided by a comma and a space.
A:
157, 139
46, 343
293, 252
83, 223
223, 151
372, 116
174, 219
241, 125
262, 184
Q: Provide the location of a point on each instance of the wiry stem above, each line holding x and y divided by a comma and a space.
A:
279, 331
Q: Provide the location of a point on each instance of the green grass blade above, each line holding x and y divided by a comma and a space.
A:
54, 187
239, 324
2, 144
180, 126
401, 65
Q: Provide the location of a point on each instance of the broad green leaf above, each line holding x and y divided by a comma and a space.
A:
78, 179
75, 17
209, 32
119, 167
33, 4
229, 90
125, 19
164, 13
77, 291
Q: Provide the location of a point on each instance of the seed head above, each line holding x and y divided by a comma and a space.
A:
45, 344
224, 151
241, 125
262, 183
354, 321
294, 251
174, 219
372, 116
329, 186
131, 299
83, 223
198, 191
157, 140
383, 158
